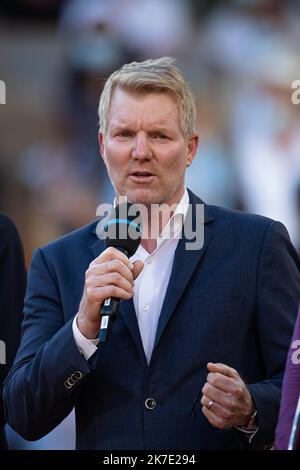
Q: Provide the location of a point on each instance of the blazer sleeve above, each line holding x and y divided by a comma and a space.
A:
12, 291
278, 294
49, 371
290, 391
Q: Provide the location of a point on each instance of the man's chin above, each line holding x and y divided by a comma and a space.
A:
144, 197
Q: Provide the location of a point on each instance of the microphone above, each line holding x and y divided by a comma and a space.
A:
123, 231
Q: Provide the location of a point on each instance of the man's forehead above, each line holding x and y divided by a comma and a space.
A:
119, 95
122, 120
120, 114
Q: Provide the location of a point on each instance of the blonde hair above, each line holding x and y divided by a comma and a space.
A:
151, 76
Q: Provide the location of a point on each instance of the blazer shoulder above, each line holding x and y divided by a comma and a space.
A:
240, 217
225, 216
255, 230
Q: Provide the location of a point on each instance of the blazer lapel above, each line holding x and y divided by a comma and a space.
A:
98, 246
185, 263
127, 311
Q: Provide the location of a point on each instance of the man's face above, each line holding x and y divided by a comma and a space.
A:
144, 149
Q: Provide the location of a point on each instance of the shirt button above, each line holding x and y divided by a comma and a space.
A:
146, 307
150, 403
149, 260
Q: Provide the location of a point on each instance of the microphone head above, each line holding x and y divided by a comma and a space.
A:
123, 228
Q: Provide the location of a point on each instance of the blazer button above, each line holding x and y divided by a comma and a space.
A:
150, 403
68, 383
76, 376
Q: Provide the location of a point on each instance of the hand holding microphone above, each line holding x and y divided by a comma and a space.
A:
110, 275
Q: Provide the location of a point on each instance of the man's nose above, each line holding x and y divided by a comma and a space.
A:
141, 149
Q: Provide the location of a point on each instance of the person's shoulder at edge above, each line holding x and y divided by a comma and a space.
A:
8, 231
6, 223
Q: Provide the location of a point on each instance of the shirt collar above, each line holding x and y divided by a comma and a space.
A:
174, 227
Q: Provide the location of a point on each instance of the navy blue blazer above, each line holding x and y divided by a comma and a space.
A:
233, 301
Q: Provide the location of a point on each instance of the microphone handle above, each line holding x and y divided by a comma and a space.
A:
109, 312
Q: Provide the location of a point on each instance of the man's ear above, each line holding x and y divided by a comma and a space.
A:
192, 146
101, 145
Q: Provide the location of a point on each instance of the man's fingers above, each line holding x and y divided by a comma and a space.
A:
110, 291
223, 369
212, 393
137, 268
215, 408
222, 382
214, 419
112, 253
111, 266
109, 279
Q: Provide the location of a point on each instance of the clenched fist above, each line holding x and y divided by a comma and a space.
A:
226, 400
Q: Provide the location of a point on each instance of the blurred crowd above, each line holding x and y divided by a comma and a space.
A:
241, 58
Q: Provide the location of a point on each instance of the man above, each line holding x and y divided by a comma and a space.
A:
196, 357
12, 290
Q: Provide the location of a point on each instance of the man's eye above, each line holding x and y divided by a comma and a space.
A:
124, 134
160, 136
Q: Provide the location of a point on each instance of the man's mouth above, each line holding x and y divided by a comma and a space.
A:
142, 173
142, 177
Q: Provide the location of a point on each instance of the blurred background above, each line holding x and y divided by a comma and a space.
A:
241, 58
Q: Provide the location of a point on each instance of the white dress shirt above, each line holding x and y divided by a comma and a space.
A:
151, 285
